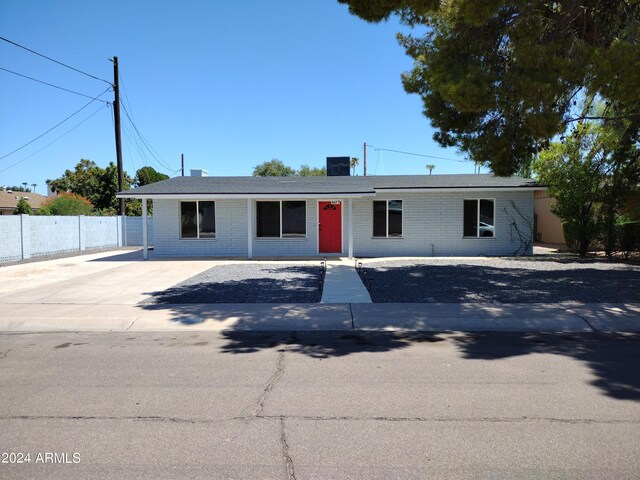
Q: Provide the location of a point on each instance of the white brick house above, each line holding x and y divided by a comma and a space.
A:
399, 215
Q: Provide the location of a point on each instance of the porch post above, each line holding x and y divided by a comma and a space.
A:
249, 229
145, 244
350, 203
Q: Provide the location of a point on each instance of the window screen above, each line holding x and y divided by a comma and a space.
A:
207, 219
294, 219
395, 218
188, 220
268, 219
486, 228
379, 218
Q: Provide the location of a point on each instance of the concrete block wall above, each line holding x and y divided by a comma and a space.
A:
10, 238
132, 231
53, 234
25, 236
99, 232
433, 225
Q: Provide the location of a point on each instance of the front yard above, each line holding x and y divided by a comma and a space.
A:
500, 280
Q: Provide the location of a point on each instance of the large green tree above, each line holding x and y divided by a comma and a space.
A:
98, 185
147, 175
500, 78
273, 168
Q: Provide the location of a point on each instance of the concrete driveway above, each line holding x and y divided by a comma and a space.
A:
105, 291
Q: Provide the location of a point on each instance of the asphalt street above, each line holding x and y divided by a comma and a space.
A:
320, 405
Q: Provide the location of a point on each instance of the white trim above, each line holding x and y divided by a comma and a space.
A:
249, 228
350, 227
256, 196
341, 224
145, 243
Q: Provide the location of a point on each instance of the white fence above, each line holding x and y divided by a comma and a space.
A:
25, 236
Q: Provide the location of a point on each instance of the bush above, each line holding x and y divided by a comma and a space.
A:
23, 208
628, 237
67, 204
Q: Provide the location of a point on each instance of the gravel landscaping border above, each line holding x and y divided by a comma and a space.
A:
501, 280
247, 283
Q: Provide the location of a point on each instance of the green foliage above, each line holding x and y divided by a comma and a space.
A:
307, 171
23, 208
273, 168
16, 189
67, 204
628, 237
430, 167
499, 78
148, 175
575, 171
276, 168
98, 185
353, 163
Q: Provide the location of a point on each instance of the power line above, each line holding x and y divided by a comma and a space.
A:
54, 61
47, 83
416, 154
52, 142
56, 125
151, 150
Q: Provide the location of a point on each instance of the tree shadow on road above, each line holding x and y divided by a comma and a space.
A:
614, 359
323, 344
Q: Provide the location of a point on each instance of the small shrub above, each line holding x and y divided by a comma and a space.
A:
67, 204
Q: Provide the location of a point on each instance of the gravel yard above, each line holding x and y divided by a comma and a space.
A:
247, 283
501, 280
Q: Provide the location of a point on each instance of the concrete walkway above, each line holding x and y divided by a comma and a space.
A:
342, 284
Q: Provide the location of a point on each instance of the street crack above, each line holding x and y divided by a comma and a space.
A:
3, 355
291, 474
273, 381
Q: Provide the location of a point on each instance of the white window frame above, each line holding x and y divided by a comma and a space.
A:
197, 202
287, 236
386, 218
477, 235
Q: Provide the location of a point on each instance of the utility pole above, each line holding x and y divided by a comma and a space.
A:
365, 159
182, 158
116, 117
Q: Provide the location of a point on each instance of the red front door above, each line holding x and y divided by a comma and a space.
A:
330, 226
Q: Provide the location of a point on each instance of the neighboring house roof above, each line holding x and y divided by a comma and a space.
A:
9, 201
323, 186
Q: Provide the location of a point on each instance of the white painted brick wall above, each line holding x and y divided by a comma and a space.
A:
432, 224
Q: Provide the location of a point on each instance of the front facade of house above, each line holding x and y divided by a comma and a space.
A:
438, 215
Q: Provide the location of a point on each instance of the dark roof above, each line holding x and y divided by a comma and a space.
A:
323, 185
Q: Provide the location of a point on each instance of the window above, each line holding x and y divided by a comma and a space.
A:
387, 218
281, 219
479, 218
197, 219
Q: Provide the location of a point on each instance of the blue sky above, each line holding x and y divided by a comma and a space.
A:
229, 84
